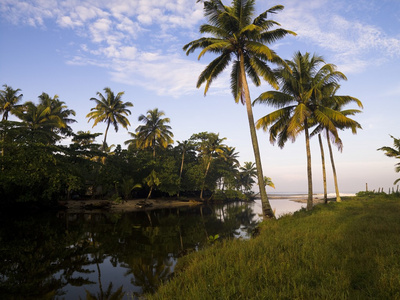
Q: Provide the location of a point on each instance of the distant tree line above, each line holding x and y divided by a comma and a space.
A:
37, 165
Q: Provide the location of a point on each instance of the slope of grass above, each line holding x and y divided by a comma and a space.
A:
348, 250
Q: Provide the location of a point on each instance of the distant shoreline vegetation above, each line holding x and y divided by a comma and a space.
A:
36, 168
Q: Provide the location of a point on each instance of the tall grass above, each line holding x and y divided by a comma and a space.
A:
348, 250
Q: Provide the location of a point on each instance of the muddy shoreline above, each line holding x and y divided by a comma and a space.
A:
76, 206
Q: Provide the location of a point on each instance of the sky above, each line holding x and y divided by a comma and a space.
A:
77, 48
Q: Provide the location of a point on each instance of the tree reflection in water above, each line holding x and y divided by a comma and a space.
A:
64, 256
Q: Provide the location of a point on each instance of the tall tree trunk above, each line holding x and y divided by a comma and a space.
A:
149, 195
205, 176
266, 207
5, 115
323, 168
105, 134
180, 171
309, 172
333, 168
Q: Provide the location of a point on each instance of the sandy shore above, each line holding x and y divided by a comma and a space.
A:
80, 206
126, 206
316, 200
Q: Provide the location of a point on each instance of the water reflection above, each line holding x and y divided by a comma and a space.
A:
107, 256
111, 256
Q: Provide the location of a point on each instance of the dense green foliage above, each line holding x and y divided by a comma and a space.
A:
345, 250
38, 165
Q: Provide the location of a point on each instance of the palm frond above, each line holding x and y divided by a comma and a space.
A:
275, 99
236, 83
264, 122
213, 70
220, 46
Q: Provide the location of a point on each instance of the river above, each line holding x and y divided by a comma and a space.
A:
61, 255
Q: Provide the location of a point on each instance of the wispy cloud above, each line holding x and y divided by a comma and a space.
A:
139, 42
353, 44
134, 40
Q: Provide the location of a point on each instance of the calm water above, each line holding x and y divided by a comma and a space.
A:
99, 255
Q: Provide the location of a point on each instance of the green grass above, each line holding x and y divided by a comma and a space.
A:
348, 250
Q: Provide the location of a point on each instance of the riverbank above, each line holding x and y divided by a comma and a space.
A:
78, 206
339, 250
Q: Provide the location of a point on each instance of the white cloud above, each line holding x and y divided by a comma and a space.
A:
66, 21
128, 52
164, 74
350, 42
140, 41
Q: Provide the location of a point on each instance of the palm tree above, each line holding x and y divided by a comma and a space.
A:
58, 108
298, 105
210, 146
230, 166
155, 132
184, 147
39, 122
393, 152
9, 99
247, 173
339, 119
111, 110
152, 181
236, 38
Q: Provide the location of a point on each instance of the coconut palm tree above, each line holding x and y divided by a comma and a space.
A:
210, 146
230, 167
58, 108
152, 181
40, 123
339, 119
155, 132
9, 99
393, 152
298, 105
111, 110
183, 147
241, 40
247, 173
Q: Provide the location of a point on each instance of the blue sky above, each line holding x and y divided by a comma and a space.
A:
75, 48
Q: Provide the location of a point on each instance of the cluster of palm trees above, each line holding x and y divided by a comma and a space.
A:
47, 121
307, 99
307, 95
196, 166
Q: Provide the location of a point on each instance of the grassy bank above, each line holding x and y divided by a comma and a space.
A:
348, 250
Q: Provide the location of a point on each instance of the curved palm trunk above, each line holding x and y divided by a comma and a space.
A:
149, 194
180, 171
105, 135
205, 176
154, 148
333, 169
309, 173
323, 167
266, 207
